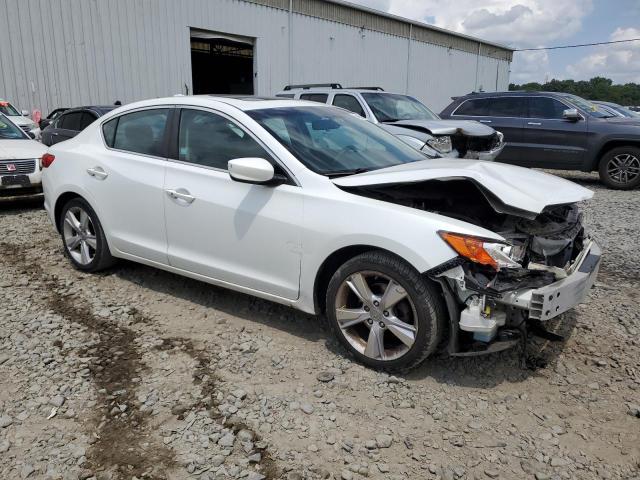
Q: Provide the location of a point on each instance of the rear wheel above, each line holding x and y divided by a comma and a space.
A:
620, 168
83, 238
384, 312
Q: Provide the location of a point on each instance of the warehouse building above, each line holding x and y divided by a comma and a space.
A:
64, 53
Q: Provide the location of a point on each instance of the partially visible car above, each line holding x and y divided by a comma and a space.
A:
615, 109
20, 118
45, 122
558, 131
408, 119
71, 122
20, 161
313, 207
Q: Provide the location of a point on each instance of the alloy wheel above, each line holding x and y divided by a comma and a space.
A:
623, 168
376, 315
79, 235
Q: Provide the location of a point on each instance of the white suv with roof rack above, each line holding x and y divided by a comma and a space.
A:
408, 119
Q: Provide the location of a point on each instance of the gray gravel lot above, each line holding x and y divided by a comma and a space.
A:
138, 373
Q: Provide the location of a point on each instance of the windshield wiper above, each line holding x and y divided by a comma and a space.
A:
344, 173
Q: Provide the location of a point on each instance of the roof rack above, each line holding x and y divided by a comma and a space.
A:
313, 85
379, 89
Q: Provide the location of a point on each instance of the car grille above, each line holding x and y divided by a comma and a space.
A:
22, 167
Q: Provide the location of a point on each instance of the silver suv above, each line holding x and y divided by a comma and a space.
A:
408, 119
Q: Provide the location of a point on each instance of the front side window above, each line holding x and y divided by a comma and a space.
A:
546, 107
476, 107
212, 140
70, 121
7, 109
586, 105
348, 102
333, 142
141, 132
315, 97
391, 107
9, 131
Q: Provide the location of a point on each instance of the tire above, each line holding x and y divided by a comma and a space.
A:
83, 239
619, 168
419, 310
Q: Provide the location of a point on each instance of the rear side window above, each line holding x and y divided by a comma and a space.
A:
507, 107
70, 121
109, 131
87, 119
315, 97
476, 107
141, 132
545, 107
212, 140
348, 102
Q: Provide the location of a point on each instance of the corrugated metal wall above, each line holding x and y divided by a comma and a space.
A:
74, 52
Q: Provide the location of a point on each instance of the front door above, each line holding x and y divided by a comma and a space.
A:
238, 233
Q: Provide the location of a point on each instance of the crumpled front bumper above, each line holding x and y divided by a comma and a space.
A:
551, 300
489, 155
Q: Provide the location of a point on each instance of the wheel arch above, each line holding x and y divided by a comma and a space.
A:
610, 145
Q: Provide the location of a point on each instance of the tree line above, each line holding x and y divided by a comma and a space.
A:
598, 88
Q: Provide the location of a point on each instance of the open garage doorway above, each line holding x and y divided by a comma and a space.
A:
221, 63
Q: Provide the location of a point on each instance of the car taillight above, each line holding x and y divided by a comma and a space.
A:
47, 159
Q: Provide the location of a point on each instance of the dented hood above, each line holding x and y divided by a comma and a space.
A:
516, 187
447, 127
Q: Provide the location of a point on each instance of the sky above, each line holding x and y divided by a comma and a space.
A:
541, 23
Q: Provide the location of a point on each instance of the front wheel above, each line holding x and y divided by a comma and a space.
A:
384, 312
620, 168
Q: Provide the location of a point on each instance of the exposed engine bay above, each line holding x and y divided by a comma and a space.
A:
494, 301
473, 147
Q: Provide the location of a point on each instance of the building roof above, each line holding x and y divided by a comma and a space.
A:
375, 20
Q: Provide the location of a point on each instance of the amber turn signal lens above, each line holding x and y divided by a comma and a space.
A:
470, 248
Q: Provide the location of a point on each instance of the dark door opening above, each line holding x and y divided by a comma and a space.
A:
221, 65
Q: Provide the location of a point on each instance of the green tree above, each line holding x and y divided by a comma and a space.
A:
598, 88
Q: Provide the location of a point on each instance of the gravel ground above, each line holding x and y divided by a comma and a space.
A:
138, 373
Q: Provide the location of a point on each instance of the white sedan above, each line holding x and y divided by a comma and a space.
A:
20, 161
307, 205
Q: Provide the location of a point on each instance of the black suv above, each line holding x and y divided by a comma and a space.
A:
71, 122
557, 130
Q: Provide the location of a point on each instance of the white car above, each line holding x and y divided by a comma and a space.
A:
310, 206
21, 119
20, 161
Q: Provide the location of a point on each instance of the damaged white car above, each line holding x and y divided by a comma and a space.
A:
312, 207
408, 119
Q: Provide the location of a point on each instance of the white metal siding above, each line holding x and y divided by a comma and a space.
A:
77, 52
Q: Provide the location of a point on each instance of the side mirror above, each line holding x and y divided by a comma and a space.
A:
571, 114
24, 113
254, 170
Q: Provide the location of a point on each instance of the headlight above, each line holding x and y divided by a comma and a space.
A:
414, 142
440, 144
492, 253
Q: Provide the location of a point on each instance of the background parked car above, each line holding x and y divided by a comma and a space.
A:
45, 122
20, 118
558, 130
71, 122
408, 119
20, 160
616, 109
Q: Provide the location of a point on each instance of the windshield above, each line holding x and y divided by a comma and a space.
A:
586, 106
9, 131
624, 111
8, 109
333, 142
390, 107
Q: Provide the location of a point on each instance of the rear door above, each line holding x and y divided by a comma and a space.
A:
503, 114
551, 141
66, 127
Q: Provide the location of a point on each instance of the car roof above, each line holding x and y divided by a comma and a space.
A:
512, 93
304, 90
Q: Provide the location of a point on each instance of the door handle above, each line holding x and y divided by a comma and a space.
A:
534, 123
97, 172
55, 134
184, 196
484, 121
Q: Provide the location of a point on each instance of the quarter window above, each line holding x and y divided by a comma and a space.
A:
315, 97
477, 107
139, 132
348, 102
109, 131
212, 140
545, 107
